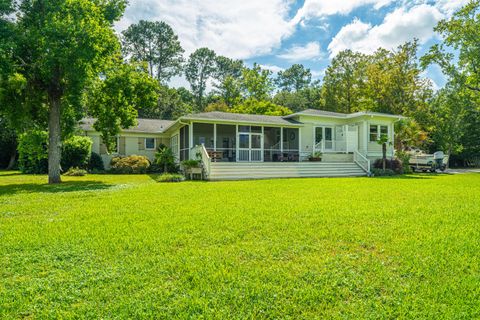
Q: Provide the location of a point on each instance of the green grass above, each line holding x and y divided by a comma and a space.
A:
104, 246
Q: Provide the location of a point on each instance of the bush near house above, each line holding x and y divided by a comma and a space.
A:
75, 172
392, 164
76, 152
95, 164
130, 164
170, 177
33, 152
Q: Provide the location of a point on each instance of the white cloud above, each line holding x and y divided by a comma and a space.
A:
399, 26
450, 6
238, 30
311, 51
322, 8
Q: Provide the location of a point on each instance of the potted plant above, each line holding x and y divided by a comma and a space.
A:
192, 167
316, 156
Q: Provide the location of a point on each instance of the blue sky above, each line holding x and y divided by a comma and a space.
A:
278, 33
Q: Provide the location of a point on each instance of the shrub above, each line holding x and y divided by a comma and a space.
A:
76, 152
165, 159
170, 177
187, 164
130, 164
404, 157
392, 164
380, 173
75, 172
33, 152
95, 164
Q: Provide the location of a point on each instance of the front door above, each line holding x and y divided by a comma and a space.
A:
324, 139
250, 147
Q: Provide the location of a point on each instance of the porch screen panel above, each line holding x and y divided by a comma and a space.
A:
291, 144
184, 143
272, 144
203, 134
226, 142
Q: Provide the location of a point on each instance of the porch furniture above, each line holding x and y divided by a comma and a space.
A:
215, 155
190, 172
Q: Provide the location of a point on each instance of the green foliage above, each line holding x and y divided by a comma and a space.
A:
32, 152
404, 158
252, 106
201, 66
257, 83
458, 53
115, 98
131, 164
95, 164
379, 172
170, 106
170, 177
404, 247
76, 152
75, 172
188, 164
156, 43
394, 165
166, 158
307, 98
295, 78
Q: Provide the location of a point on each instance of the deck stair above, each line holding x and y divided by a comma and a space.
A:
265, 170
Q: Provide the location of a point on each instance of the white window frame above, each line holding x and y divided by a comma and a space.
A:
379, 132
154, 143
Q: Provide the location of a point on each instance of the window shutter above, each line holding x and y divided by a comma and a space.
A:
141, 143
121, 149
103, 148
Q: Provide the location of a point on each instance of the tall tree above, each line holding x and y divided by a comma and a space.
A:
201, 66
343, 82
460, 34
114, 99
156, 43
257, 83
227, 79
60, 46
449, 110
170, 105
295, 78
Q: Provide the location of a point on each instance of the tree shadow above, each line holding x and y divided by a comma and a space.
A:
425, 176
4, 173
68, 186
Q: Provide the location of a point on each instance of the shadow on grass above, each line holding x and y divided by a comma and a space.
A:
68, 186
409, 176
9, 173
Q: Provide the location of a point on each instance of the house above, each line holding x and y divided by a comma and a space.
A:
238, 146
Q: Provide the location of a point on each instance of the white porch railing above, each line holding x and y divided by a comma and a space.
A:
204, 157
362, 161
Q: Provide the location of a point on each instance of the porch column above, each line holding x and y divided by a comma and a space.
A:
237, 142
299, 144
392, 133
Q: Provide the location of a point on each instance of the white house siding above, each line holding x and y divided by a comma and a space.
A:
132, 145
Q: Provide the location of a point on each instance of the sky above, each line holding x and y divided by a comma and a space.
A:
279, 33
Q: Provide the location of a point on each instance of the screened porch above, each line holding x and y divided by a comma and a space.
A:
241, 143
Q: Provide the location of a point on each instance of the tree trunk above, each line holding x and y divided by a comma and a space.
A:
54, 140
13, 157
384, 157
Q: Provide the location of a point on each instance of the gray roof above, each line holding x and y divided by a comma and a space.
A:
143, 125
240, 117
315, 112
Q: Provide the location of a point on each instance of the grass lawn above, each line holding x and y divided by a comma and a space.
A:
105, 246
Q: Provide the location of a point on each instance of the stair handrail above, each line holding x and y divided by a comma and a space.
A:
205, 158
362, 161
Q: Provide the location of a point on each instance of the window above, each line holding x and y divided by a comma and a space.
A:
373, 133
150, 143
376, 131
